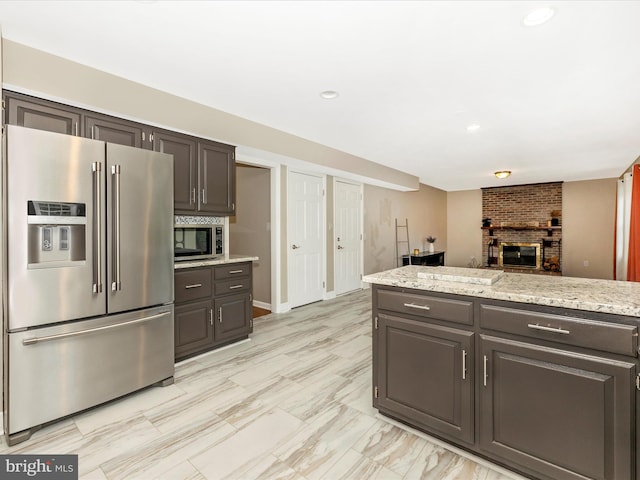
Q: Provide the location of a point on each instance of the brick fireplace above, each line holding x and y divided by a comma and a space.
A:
521, 215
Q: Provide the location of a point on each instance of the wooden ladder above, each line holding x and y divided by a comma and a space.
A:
402, 242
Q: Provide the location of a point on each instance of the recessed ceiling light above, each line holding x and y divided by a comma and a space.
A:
472, 128
538, 16
502, 173
329, 94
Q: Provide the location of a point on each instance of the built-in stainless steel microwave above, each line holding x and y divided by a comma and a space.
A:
196, 242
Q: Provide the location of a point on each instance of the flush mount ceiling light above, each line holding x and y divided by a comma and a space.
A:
472, 128
502, 173
329, 94
538, 16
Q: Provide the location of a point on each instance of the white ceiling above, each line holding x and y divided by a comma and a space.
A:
555, 102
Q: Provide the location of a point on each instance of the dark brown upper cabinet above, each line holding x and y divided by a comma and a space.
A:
216, 178
204, 170
116, 130
185, 167
31, 112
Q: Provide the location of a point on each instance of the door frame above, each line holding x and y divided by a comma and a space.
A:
275, 169
361, 226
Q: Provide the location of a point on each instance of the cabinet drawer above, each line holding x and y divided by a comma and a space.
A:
236, 285
597, 335
192, 284
232, 271
456, 311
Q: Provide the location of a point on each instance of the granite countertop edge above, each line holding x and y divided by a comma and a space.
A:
594, 295
221, 260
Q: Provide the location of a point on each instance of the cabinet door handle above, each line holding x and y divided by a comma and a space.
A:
193, 195
535, 326
204, 196
484, 366
211, 316
464, 364
419, 307
220, 313
195, 285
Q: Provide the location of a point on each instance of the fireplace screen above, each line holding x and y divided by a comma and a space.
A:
521, 255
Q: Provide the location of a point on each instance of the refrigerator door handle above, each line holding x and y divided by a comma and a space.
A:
60, 336
97, 228
115, 173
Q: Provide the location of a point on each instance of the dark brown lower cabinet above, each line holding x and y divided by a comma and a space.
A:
564, 415
548, 392
425, 374
213, 307
193, 327
234, 316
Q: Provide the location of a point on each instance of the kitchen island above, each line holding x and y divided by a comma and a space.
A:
535, 373
213, 303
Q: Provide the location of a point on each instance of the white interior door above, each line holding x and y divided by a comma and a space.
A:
348, 240
306, 238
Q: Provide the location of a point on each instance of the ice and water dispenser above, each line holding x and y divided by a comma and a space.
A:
57, 233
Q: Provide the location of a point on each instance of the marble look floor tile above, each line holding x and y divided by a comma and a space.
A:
318, 445
259, 399
391, 447
181, 471
162, 453
354, 466
265, 466
125, 407
248, 444
96, 474
263, 370
112, 440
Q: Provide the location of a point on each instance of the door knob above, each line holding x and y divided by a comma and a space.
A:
294, 246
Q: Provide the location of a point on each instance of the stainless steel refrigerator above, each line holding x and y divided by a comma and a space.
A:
88, 281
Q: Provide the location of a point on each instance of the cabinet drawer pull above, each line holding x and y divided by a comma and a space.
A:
419, 307
231, 272
195, 285
484, 366
535, 326
464, 364
233, 287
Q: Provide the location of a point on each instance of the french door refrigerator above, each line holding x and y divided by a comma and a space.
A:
88, 278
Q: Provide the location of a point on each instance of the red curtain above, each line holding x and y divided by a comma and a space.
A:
633, 269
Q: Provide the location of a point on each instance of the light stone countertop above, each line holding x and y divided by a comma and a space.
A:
219, 260
605, 296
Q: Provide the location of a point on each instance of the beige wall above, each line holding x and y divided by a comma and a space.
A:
425, 210
464, 236
588, 224
249, 229
588, 216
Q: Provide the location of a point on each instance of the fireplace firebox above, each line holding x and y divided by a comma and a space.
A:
519, 255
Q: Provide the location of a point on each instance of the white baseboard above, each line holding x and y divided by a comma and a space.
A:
263, 305
281, 308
